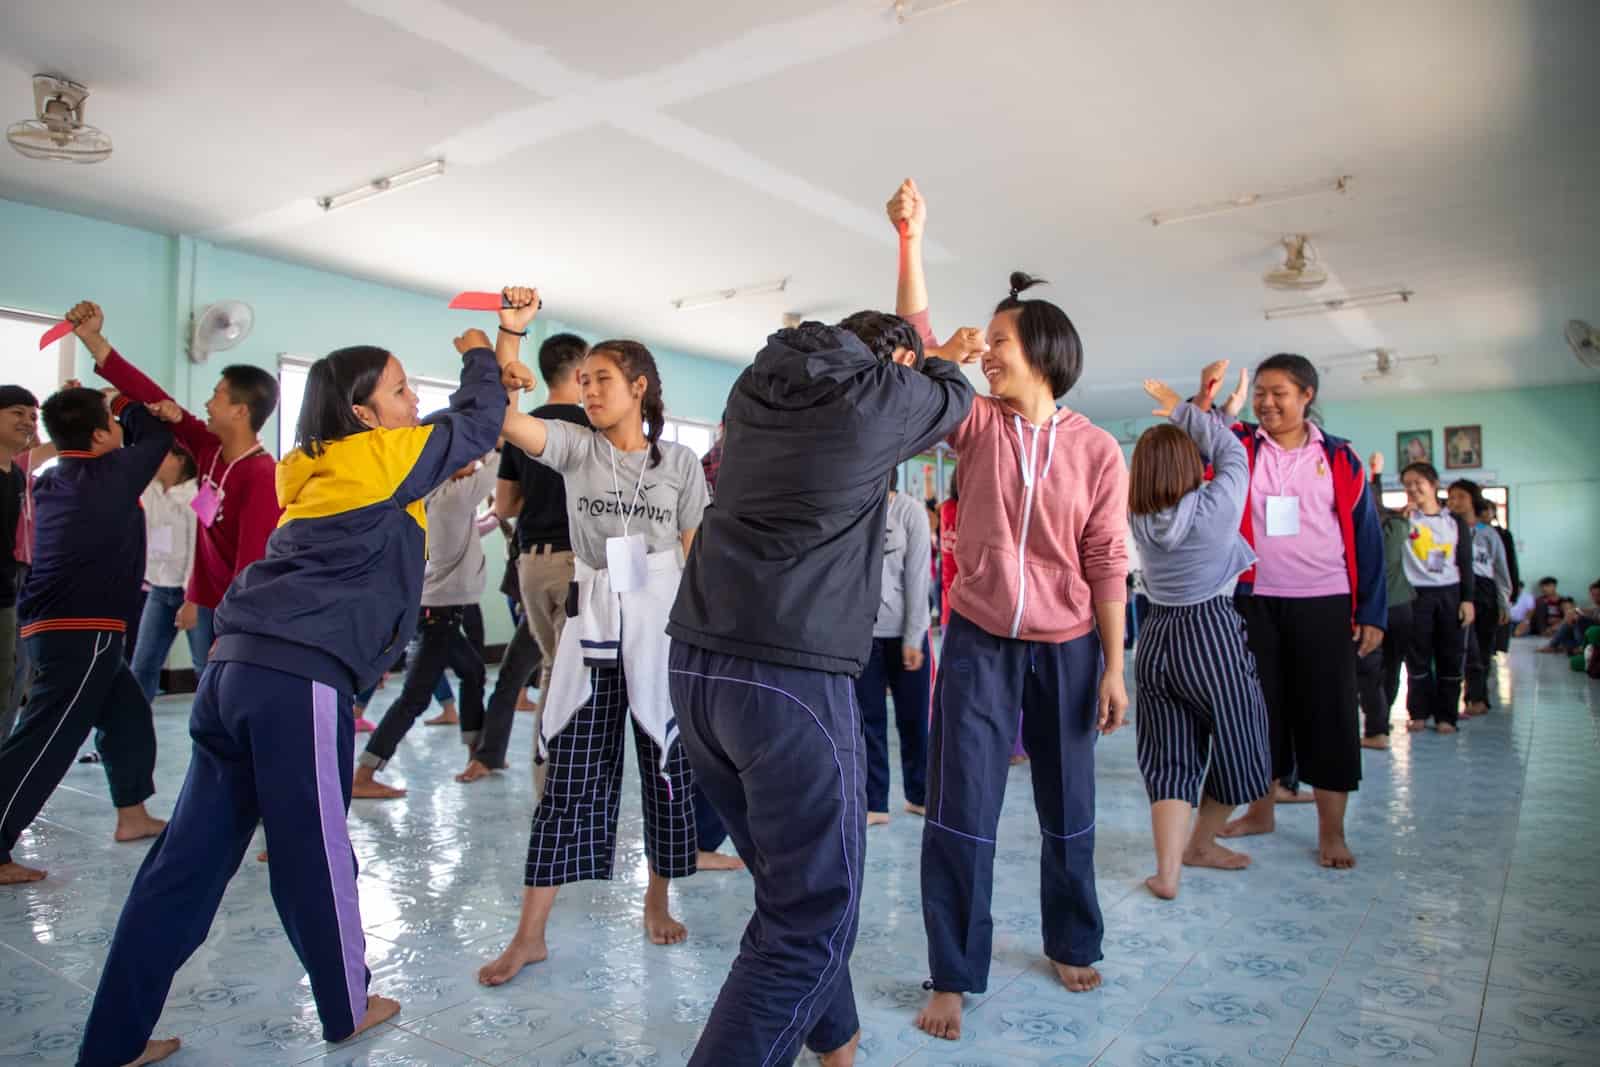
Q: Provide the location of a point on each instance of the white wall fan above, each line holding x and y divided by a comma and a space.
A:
219, 327
58, 133
1585, 342
1299, 271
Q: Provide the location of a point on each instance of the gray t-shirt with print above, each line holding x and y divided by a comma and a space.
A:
607, 497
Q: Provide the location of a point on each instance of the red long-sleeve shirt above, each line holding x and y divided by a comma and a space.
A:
250, 510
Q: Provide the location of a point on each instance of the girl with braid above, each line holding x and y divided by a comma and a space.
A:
634, 503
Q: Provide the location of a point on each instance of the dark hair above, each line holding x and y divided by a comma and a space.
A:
1548, 579
1473, 490
188, 470
955, 484
1049, 340
15, 396
635, 361
334, 385
1166, 466
894, 479
1484, 506
884, 334
1304, 374
71, 417
255, 388
560, 355
1595, 584
1567, 600
1427, 470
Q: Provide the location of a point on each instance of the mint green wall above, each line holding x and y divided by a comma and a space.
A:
148, 283
1540, 443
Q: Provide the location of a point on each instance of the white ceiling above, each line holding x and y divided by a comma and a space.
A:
622, 155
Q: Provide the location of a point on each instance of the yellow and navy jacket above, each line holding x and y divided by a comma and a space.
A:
336, 597
89, 563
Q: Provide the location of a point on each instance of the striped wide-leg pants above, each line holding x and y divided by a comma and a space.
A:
1200, 703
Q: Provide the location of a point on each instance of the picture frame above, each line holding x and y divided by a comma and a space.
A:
1463, 447
1413, 446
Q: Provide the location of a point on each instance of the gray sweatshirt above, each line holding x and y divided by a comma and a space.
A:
1193, 551
456, 574
907, 565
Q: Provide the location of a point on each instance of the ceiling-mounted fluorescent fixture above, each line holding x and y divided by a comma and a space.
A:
906, 10
722, 296
1399, 295
434, 168
1340, 184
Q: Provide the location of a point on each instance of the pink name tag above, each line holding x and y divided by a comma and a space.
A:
207, 504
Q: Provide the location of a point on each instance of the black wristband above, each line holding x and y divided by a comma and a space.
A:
514, 333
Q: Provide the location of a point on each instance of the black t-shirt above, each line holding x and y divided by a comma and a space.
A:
543, 519
13, 484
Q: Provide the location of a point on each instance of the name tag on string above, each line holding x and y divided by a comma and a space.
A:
207, 504
1436, 561
1283, 516
625, 559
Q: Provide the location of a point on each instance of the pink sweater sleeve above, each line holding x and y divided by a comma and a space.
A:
922, 322
1103, 545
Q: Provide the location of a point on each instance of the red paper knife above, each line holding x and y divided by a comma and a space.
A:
482, 302
54, 334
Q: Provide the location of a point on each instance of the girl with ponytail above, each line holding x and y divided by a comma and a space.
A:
1035, 629
634, 503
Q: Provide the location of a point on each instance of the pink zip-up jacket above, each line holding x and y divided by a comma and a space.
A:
1041, 534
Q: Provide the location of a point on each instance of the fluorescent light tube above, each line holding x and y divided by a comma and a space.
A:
722, 296
1399, 295
1340, 184
434, 168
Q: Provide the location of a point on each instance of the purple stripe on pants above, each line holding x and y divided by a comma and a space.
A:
336, 846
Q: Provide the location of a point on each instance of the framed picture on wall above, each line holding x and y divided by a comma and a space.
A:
1463, 447
1413, 446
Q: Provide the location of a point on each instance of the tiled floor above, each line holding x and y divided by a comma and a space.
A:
1470, 933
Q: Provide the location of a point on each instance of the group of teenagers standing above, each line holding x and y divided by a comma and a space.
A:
729, 637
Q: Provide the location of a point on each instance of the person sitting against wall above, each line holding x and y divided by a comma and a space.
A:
1546, 615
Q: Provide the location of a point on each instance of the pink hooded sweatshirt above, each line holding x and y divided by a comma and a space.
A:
1042, 528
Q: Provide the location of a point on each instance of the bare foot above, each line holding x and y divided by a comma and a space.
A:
474, 771
917, 809
941, 1016
1016, 761
662, 928
1335, 853
444, 718
1379, 741
262, 857
1214, 855
1416, 726
877, 818
844, 1055
366, 787
1280, 795
1165, 888
524, 704
1248, 825
156, 1051
716, 861
379, 1011
17, 874
138, 825
517, 955
1447, 728
1077, 979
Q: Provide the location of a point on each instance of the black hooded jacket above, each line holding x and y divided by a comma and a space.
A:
788, 565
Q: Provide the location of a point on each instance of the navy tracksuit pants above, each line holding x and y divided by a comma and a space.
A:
272, 748
778, 752
983, 682
81, 681
885, 671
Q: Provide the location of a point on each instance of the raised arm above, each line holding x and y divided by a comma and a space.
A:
464, 431
88, 320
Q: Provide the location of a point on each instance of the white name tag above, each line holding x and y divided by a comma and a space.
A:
1283, 516
625, 559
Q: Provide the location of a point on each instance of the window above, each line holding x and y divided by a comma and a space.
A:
1499, 495
433, 394
21, 362
696, 436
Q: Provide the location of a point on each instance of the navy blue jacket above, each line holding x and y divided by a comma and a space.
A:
88, 565
336, 597
788, 565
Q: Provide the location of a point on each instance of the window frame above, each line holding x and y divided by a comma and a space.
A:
302, 364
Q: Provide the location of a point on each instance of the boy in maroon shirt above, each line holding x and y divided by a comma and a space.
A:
237, 505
